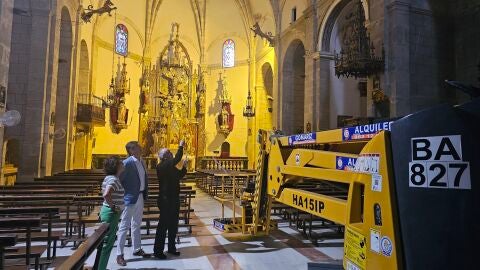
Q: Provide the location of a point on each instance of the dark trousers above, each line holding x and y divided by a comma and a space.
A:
168, 222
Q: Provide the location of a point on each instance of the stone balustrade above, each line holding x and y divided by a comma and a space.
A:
216, 163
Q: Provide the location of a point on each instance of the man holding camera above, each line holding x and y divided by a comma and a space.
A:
169, 177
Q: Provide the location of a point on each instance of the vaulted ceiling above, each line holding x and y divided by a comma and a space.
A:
202, 22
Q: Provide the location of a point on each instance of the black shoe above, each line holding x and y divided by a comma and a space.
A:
160, 256
142, 253
174, 253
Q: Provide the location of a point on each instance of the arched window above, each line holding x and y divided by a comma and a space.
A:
225, 150
228, 53
121, 40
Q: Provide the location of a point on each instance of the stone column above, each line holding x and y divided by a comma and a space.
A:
75, 75
6, 20
309, 99
51, 92
397, 50
323, 95
311, 26
276, 104
36, 57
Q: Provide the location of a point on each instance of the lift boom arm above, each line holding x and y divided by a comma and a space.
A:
356, 185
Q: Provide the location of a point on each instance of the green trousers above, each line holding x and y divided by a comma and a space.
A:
112, 218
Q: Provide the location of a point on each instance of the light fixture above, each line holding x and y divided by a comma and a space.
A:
249, 110
357, 56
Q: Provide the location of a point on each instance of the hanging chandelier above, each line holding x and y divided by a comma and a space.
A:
357, 57
249, 110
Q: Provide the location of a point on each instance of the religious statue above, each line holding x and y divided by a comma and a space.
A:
224, 122
380, 99
308, 128
148, 141
144, 90
163, 137
225, 118
122, 113
200, 102
378, 96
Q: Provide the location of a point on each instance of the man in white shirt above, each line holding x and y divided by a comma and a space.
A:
135, 182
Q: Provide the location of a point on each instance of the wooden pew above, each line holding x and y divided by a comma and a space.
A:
48, 212
64, 190
86, 204
43, 191
49, 185
77, 211
28, 224
307, 223
93, 242
8, 240
68, 215
151, 211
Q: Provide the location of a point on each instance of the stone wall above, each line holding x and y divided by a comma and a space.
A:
466, 17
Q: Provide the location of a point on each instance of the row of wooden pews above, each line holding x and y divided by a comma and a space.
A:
19, 257
57, 208
313, 228
38, 217
220, 183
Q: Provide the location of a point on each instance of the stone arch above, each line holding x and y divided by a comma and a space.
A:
293, 88
63, 93
264, 96
333, 13
267, 75
225, 150
347, 96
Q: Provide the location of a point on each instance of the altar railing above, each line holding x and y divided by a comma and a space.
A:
217, 163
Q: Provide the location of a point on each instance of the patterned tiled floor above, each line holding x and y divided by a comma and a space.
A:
207, 248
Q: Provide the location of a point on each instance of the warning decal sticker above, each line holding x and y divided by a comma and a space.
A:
355, 248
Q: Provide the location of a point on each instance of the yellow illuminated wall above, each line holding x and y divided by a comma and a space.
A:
223, 21
264, 117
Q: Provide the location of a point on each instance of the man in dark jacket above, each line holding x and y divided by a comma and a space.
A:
169, 177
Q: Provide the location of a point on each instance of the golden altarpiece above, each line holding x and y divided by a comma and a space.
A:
168, 101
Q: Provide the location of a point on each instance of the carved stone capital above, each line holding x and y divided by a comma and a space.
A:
312, 54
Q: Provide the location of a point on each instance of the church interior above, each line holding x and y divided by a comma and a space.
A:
292, 113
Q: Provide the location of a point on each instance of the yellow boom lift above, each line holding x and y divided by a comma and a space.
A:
411, 187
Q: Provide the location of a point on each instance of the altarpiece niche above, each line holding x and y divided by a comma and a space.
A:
166, 100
